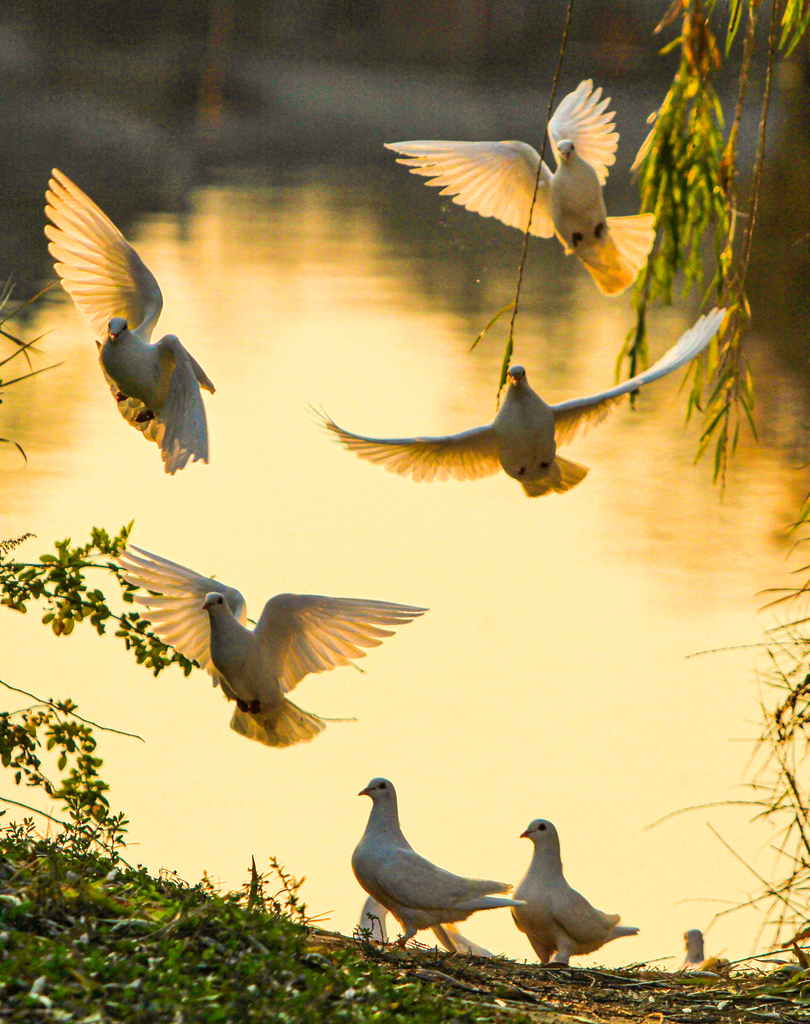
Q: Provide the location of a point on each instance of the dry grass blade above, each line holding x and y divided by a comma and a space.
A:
20, 449
494, 320
24, 348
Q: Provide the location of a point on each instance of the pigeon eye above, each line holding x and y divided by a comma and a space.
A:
383, 786
541, 828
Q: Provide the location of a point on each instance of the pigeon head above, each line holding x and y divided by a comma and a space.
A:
214, 604
565, 149
516, 375
115, 327
541, 833
380, 791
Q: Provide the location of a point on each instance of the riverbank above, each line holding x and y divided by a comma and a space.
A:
87, 938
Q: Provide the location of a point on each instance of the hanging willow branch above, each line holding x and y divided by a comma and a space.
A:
732, 391
688, 179
680, 170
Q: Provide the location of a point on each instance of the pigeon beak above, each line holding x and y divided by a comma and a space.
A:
365, 792
207, 604
525, 835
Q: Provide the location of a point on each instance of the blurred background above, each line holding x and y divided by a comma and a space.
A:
239, 146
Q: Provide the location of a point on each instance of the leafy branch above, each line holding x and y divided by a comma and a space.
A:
58, 582
55, 726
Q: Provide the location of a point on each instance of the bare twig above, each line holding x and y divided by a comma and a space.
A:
55, 707
510, 343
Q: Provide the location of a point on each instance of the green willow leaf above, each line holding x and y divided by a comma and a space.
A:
735, 10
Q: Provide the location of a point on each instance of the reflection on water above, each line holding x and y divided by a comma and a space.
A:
550, 677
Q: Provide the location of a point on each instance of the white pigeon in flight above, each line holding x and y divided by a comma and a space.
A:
557, 920
522, 440
297, 634
419, 894
157, 387
497, 179
373, 917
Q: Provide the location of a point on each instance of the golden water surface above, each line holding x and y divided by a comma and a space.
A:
551, 676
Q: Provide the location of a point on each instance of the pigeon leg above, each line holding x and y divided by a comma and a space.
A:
409, 934
250, 707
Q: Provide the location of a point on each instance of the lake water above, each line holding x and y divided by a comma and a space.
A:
552, 676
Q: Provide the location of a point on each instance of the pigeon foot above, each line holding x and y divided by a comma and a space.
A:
252, 707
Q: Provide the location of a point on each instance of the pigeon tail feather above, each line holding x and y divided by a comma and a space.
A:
487, 903
615, 259
282, 727
562, 476
452, 939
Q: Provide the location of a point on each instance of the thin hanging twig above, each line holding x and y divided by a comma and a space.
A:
756, 183
510, 343
735, 288
731, 146
55, 707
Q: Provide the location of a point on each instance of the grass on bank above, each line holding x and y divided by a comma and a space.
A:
86, 940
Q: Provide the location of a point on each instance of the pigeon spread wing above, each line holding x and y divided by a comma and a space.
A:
581, 413
582, 119
185, 428
470, 455
98, 268
305, 633
495, 179
175, 605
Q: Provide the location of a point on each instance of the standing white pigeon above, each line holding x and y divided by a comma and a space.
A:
497, 179
557, 920
522, 440
419, 894
374, 914
157, 387
372, 920
296, 634
693, 941
696, 959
